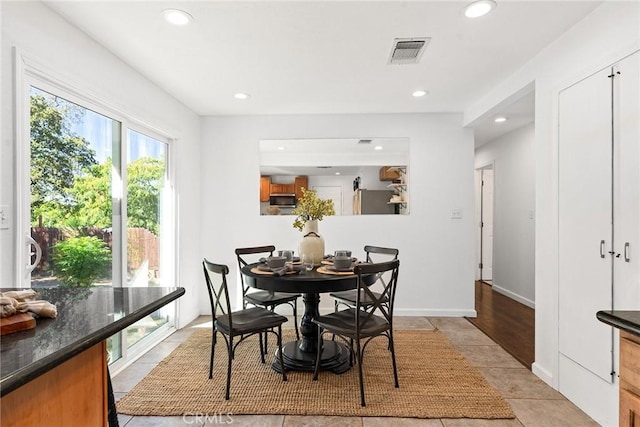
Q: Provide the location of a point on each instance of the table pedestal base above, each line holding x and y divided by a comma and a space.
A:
335, 358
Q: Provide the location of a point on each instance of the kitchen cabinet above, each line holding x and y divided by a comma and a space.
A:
282, 188
300, 183
628, 322
389, 173
629, 380
265, 188
599, 212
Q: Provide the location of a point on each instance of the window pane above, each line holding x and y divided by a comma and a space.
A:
71, 191
146, 177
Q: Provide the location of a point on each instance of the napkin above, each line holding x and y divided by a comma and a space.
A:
12, 302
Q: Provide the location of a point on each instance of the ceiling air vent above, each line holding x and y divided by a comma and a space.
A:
408, 51
364, 141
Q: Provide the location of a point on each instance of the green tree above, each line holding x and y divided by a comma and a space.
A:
57, 155
80, 261
91, 196
145, 178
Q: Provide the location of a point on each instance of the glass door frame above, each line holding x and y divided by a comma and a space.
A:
28, 73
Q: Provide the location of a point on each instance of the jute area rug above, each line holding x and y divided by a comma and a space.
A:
435, 382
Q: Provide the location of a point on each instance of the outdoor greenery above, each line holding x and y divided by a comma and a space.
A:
57, 155
309, 207
70, 189
79, 261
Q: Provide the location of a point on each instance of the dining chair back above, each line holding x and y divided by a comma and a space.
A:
241, 324
266, 299
372, 316
373, 254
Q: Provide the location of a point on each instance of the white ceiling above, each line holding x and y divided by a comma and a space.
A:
315, 57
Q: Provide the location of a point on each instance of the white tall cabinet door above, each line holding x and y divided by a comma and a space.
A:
585, 209
627, 183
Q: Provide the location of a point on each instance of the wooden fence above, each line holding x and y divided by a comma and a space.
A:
142, 245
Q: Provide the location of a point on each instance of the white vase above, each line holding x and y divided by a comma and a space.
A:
312, 243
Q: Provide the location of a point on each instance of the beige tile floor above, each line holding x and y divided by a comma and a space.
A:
533, 402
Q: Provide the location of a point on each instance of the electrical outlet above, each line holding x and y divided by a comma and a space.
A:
4, 217
456, 213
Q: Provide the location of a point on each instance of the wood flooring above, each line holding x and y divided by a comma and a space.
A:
506, 321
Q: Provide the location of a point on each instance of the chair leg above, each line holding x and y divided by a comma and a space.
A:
316, 369
213, 347
360, 358
284, 371
262, 352
335, 310
295, 318
230, 352
393, 358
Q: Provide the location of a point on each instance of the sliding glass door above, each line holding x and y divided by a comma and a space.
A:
99, 205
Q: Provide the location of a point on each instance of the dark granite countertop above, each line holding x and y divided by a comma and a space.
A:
86, 316
628, 321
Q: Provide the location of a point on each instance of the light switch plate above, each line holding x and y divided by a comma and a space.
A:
4, 217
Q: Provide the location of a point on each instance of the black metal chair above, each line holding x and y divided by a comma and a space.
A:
365, 321
266, 299
243, 323
348, 298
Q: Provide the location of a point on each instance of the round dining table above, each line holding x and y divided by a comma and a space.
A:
300, 355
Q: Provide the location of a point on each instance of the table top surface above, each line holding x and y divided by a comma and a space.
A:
86, 316
305, 281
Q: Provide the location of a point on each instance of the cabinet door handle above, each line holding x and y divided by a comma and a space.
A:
626, 252
601, 248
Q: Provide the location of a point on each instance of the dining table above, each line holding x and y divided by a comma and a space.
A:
300, 355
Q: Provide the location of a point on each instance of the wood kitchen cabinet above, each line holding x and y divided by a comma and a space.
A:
300, 183
629, 379
265, 188
282, 188
389, 173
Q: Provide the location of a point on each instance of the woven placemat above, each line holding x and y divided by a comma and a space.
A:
435, 382
325, 270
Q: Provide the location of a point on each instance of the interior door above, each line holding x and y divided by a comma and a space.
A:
585, 217
487, 224
627, 188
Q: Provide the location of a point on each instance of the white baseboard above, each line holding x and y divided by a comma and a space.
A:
435, 312
514, 296
542, 373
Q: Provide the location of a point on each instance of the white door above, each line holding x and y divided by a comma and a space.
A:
585, 199
627, 188
487, 224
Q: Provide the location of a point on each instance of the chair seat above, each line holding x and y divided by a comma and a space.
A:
267, 298
350, 297
252, 319
344, 323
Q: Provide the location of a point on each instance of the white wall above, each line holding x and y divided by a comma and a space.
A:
514, 199
436, 253
42, 36
605, 36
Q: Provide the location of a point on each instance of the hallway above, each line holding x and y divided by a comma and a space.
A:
507, 322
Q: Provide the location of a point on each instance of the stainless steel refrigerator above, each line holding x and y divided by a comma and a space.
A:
367, 202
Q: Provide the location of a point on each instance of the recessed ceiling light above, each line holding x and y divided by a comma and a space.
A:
378, 147
420, 93
479, 8
280, 148
500, 119
337, 173
177, 17
241, 95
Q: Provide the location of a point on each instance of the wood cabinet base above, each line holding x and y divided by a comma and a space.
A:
72, 394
